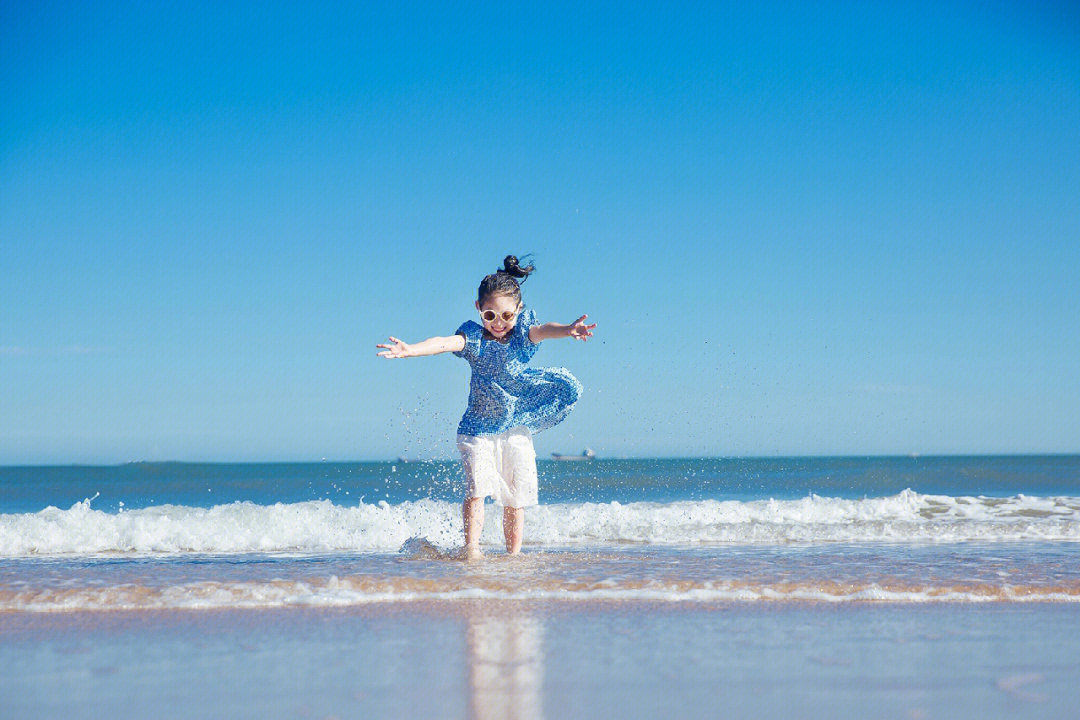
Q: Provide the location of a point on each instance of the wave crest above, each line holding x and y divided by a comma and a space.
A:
322, 526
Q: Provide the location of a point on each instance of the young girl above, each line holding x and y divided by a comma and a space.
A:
508, 401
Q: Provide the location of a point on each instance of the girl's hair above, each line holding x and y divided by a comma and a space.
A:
505, 281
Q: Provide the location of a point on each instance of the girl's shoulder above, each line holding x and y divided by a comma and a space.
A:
525, 347
526, 321
473, 332
469, 327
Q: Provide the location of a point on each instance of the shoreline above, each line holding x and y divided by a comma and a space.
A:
467, 603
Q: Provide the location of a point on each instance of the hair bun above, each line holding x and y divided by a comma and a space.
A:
512, 267
505, 281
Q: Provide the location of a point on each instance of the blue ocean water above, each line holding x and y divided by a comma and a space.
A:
905, 529
139, 485
892, 587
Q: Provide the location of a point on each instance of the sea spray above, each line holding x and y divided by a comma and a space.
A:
323, 526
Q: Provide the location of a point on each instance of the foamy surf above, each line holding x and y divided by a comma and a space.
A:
322, 526
360, 590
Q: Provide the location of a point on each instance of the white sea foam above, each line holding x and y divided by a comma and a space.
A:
322, 526
352, 591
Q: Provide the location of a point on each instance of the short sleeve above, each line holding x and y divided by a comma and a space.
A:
472, 333
526, 321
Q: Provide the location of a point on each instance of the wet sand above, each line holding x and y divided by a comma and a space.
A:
530, 659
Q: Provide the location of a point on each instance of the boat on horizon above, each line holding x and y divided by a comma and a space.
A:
587, 454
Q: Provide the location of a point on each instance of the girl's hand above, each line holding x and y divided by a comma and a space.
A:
396, 349
579, 330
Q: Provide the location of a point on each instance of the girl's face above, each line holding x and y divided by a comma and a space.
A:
505, 310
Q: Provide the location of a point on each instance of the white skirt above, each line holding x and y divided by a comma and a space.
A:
502, 466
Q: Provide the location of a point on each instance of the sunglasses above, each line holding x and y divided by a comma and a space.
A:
507, 316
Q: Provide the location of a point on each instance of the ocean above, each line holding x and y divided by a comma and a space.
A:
936, 553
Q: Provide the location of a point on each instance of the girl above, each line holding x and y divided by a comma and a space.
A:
508, 401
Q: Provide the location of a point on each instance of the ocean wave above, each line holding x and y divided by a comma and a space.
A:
322, 526
347, 591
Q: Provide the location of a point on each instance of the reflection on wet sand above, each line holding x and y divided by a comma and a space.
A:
506, 668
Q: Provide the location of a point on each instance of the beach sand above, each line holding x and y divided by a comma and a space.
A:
547, 658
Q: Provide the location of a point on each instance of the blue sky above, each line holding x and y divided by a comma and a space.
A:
842, 229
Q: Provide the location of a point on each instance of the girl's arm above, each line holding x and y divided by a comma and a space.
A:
549, 331
432, 346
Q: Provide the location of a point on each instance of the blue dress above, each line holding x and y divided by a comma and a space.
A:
503, 392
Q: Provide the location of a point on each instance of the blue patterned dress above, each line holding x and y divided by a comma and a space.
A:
503, 392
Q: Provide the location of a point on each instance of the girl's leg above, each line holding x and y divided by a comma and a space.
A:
478, 463
472, 514
513, 526
519, 467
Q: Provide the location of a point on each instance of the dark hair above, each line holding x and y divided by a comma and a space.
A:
506, 281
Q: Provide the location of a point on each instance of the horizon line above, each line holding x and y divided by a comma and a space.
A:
418, 461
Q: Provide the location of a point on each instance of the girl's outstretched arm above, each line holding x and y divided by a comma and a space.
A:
548, 331
432, 346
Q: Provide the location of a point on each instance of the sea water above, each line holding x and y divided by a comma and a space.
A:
177, 535
888, 587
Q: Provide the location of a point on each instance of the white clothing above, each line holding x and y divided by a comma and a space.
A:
502, 466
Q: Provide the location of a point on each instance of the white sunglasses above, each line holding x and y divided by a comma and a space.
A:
507, 316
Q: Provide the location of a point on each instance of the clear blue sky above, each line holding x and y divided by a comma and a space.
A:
802, 229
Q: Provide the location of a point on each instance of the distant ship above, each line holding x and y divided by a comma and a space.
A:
587, 454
